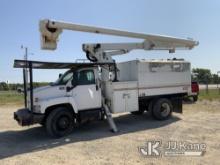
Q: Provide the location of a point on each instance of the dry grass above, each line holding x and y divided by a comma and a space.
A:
213, 94
93, 143
11, 97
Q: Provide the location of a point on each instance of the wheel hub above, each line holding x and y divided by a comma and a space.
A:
63, 123
165, 109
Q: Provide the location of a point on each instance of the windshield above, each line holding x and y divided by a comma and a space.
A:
64, 78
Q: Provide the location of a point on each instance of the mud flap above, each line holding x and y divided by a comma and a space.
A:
177, 105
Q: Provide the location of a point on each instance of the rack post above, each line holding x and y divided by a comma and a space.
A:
31, 85
25, 88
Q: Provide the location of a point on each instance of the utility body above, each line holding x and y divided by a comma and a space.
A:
102, 87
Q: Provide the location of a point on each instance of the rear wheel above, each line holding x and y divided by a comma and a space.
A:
162, 109
60, 122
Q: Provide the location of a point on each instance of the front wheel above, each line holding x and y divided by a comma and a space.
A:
162, 109
60, 122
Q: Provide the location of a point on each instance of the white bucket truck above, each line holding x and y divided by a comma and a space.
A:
103, 87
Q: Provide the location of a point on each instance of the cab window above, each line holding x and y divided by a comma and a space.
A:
86, 77
64, 78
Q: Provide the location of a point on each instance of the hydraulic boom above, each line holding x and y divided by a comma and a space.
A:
50, 31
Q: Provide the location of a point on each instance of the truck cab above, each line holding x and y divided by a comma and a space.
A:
73, 87
74, 97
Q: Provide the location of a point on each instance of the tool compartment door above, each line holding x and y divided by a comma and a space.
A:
125, 97
118, 102
131, 100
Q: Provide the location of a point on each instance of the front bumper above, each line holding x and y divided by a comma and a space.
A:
25, 117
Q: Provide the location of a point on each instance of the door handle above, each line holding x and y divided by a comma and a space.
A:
96, 85
61, 88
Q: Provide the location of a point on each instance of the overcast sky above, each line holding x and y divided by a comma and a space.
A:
19, 25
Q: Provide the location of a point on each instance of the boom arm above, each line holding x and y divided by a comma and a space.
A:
50, 31
103, 52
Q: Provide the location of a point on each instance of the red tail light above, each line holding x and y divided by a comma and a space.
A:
195, 87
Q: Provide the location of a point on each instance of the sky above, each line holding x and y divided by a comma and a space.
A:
197, 19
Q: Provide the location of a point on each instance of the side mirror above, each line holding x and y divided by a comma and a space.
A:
60, 75
68, 89
74, 84
74, 81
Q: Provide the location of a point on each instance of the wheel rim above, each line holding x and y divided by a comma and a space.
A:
165, 109
63, 123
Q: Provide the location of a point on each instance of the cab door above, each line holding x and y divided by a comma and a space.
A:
87, 93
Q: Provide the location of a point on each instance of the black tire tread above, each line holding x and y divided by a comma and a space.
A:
156, 109
50, 118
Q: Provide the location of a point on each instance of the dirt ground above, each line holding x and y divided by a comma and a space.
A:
93, 143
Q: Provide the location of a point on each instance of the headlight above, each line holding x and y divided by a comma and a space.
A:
37, 108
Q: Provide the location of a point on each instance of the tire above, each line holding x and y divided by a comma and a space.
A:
162, 109
150, 107
195, 98
60, 122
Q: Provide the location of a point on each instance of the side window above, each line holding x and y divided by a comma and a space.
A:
65, 78
86, 77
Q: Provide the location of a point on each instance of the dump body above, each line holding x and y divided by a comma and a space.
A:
157, 76
146, 78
